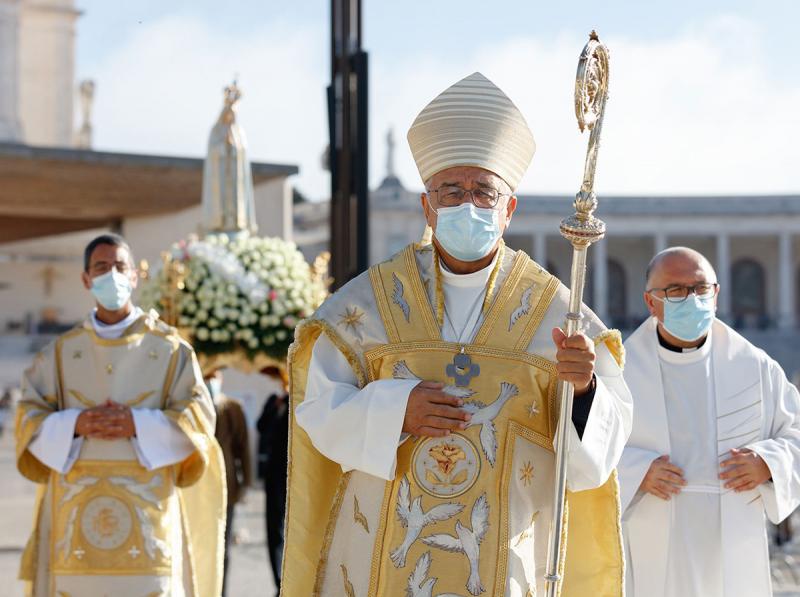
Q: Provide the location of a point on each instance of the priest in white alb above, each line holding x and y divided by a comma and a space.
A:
423, 397
715, 447
116, 425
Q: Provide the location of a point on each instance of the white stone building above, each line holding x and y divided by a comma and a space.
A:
752, 241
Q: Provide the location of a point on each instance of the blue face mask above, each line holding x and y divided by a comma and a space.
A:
689, 320
112, 290
466, 232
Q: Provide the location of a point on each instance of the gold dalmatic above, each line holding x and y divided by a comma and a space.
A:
461, 515
109, 516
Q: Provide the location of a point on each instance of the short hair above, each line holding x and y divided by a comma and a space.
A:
114, 240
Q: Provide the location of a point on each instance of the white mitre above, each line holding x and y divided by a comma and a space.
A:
472, 123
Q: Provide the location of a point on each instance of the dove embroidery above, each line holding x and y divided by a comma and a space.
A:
419, 585
414, 519
141, 490
398, 299
467, 541
151, 542
73, 489
401, 371
484, 416
523, 309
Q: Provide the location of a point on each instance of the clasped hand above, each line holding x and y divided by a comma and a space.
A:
431, 412
744, 470
109, 421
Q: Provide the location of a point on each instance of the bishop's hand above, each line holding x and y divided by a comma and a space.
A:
432, 413
663, 479
575, 358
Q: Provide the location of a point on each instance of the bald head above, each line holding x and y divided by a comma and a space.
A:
679, 266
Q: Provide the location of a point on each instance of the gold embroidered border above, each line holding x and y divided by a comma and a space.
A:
509, 285
305, 333
380, 538
88, 403
538, 314
613, 341
420, 296
327, 541
169, 377
430, 346
382, 302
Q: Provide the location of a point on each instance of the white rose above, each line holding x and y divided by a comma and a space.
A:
202, 334
281, 335
252, 343
212, 322
201, 315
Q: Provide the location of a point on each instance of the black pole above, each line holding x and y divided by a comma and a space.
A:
347, 117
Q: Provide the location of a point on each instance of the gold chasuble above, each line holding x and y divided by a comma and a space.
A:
109, 526
466, 514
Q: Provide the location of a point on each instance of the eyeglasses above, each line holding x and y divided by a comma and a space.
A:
452, 196
678, 294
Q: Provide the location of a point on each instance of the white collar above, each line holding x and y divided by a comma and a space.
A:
115, 330
688, 356
471, 280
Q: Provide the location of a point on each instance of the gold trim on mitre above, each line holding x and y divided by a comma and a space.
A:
472, 123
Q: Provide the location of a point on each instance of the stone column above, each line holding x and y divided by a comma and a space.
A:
600, 274
9, 71
540, 249
786, 282
724, 275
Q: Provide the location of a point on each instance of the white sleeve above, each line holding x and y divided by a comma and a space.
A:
358, 428
781, 449
158, 442
55, 445
592, 457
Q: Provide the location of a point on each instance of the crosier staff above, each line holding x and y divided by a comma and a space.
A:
581, 229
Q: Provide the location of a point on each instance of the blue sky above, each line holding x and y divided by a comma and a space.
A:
703, 95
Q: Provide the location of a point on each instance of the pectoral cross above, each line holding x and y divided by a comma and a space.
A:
462, 369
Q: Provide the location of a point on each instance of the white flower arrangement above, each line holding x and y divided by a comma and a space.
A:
245, 293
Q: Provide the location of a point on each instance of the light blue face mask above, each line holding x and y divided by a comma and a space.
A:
112, 289
689, 320
466, 232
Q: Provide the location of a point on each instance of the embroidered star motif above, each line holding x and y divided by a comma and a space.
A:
109, 369
533, 409
134, 552
526, 474
79, 553
352, 320
153, 355
78, 354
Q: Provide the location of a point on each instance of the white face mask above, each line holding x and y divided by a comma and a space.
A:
466, 232
112, 290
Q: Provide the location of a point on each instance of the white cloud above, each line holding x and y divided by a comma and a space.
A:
699, 112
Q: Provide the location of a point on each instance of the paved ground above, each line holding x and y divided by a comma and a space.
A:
250, 574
